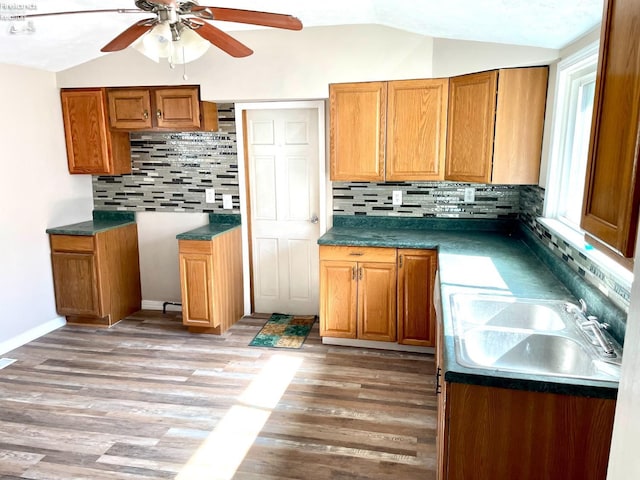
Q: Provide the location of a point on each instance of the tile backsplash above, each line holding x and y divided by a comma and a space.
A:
170, 171
426, 199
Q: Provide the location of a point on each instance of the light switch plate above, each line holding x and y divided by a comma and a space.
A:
469, 194
397, 197
227, 201
210, 195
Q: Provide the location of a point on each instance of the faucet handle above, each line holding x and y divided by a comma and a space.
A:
583, 306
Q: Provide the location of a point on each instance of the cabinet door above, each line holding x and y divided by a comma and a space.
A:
91, 147
471, 122
129, 108
612, 189
338, 298
416, 129
377, 301
177, 107
75, 282
357, 131
85, 128
522, 97
196, 283
416, 314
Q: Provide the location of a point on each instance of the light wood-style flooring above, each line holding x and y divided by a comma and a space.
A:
146, 399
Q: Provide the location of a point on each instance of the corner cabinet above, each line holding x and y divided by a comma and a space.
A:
495, 124
96, 278
612, 190
92, 148
416, 281
358, 292
392, 131
211, 282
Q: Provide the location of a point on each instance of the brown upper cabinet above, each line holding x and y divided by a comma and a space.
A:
91, 146
612, 189
167, 108
97, 122
495, 124
388, 130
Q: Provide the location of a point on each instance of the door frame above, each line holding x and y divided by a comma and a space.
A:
243, 178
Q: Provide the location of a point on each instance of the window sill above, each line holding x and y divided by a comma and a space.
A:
576, 240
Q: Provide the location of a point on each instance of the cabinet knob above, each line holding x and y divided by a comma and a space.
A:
159, 113
145, 114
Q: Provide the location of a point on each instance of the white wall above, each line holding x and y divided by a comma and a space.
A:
624, 462
285, 66
457, 57
37, 192
159, 268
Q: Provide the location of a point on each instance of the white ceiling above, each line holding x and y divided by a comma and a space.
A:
61, 42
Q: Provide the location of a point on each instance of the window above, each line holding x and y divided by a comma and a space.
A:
571, 131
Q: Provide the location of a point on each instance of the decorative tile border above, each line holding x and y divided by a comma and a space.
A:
426, 199
170, 171
532, 201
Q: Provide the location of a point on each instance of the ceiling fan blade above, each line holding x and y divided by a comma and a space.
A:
223, 40
253, 17
107, 10
129, 36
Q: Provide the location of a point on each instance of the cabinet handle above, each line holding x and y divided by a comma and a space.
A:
353, 273
360, 275
400, 265
438, 375
356, 254
145, 114
159, 113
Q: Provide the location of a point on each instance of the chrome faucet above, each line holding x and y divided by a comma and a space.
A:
596, 327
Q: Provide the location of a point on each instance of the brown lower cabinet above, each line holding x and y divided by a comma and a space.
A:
211, 282
358, 292
486, 432
378, 293
96, 277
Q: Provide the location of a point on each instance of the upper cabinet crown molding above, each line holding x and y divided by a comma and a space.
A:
495, 126
611, 202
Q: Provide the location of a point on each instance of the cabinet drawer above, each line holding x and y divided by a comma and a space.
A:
71, 243
203, 247
358, 254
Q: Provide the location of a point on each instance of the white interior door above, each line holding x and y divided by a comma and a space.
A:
283, 153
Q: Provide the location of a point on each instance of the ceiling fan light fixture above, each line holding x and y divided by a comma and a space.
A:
158, 43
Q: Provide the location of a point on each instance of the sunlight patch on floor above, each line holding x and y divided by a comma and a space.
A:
222, 452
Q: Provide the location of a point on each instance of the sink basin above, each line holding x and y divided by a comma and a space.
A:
531, 352
509, 312
526, 335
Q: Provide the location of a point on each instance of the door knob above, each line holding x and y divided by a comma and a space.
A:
314, 218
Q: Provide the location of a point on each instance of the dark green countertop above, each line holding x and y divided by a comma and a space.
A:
496, 260
101, 222
218, 224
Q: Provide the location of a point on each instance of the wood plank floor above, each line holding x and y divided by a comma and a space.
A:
146, 399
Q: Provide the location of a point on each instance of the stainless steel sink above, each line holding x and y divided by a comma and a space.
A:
529, 336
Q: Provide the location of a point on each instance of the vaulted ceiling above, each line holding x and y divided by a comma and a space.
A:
63, 41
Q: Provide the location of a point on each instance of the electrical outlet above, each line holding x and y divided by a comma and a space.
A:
227, 201
397, 197
210, 195
469, 194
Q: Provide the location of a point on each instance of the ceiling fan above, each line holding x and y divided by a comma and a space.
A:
181, 17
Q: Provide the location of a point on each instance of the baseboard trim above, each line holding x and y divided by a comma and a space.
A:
349, 342
157, 305
31, 334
